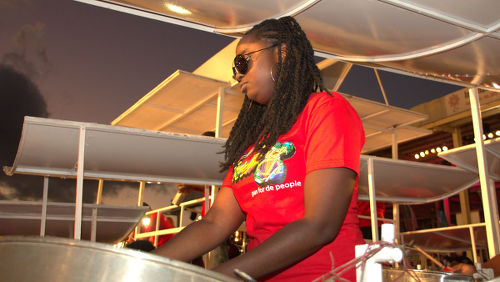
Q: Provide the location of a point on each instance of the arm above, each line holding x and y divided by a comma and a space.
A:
222, 219
327, 194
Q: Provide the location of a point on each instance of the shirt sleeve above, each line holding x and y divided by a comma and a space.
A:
228, 180
334, 135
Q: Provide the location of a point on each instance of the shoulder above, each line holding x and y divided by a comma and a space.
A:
332, 102
332, 98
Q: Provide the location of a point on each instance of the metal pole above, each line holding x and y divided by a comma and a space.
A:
213, 190
397, 224
157, 226
488, 195
473, 243
142, 184
181, 215
44, 205
395, 207
79, 184
218, 134
93, 230
373, 203
456, 135
99, 192
206, 191
220, 111
395, 148
381, 86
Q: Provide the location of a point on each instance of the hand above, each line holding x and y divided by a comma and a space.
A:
463, 268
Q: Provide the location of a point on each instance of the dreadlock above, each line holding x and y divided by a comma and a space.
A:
296, 77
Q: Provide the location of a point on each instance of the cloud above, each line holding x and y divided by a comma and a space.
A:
29, 56
126, 194
20, 97
5, 4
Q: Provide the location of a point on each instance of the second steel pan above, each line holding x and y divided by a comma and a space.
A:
57, 259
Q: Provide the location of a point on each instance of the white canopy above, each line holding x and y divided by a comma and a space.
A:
465, 157
51, 147
189, 103
407, 182
444, 40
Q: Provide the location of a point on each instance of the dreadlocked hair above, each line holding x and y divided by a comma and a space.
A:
295, 77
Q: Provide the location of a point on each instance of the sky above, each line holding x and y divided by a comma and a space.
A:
92, 63
85, 63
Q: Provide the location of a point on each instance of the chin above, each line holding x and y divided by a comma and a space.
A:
254, 97
250, 96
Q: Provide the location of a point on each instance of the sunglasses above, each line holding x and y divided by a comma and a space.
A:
240, 62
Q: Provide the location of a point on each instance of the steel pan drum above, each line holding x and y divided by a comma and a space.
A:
424, 276
57, 259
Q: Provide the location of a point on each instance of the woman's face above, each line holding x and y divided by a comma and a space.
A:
257, 83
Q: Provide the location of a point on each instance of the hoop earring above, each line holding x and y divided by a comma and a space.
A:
249, 105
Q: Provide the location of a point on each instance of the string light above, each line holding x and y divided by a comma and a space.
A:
491, 135
443, 148
146, 221
424, 153
178, 9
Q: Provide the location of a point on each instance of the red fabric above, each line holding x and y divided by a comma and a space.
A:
328, 133
164, 224
364, 209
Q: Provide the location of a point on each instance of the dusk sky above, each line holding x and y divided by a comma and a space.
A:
91, 64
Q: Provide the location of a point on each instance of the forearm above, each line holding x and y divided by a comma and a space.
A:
202, 236
196, 239
290, 244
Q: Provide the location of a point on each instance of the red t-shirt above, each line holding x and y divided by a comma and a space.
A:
327, 134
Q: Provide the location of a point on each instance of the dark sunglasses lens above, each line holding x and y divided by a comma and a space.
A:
241, 64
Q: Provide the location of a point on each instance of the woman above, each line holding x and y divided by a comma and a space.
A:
293, 159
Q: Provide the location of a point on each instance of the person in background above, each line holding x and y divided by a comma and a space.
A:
141, 245
365, 224
148, 224
293, 161
469, 268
